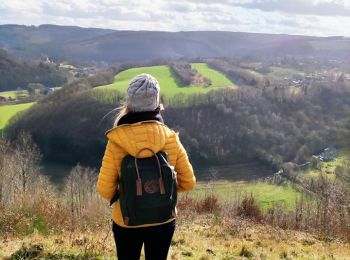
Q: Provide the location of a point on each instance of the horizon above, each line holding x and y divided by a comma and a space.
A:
321, 18
144, 30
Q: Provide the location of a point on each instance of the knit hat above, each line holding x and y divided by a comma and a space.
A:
143, 93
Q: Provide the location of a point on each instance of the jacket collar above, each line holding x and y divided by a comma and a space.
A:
136, 117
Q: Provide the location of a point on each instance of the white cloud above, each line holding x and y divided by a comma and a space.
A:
315, 7
311, 17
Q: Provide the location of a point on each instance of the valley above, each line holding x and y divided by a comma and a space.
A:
264, 119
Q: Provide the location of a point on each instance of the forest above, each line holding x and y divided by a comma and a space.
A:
269, 124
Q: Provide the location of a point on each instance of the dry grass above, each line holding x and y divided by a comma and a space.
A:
44, 228
37, 221
198, 236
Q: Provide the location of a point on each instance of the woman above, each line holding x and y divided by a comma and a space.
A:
139, 125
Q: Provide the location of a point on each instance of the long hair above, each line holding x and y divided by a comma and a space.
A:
118, 113
122, 111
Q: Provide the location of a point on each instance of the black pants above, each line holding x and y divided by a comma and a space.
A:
156, 241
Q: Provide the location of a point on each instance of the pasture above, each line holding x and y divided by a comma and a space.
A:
20, 94
168, 83
217, 78
8, 111
14, 93
266, 194
281, 73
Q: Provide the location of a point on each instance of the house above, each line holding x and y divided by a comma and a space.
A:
328, 154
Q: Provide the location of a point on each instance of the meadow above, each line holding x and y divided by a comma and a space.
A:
170, 86
266, 194
281, 73
8, 111
217, 78
13, 93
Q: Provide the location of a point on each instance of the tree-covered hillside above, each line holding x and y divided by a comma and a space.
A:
16, 74
271, 125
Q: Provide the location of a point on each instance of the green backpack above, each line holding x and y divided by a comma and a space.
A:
148, 189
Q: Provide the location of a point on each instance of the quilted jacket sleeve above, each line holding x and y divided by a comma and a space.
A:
107, 183
185, 176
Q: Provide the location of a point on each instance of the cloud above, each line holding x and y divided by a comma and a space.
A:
311, 17
320, 7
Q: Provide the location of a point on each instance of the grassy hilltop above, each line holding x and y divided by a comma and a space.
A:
170, 85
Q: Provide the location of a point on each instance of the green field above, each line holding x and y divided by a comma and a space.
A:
281, 73
12, 94
8, 111
217, 78
265, 193
168, 83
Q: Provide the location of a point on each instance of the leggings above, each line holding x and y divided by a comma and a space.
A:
156, 241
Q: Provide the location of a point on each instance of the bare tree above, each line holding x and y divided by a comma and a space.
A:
4, 149
80, 188
27, 157
19, 168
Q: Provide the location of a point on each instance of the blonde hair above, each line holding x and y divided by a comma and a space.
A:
122, 111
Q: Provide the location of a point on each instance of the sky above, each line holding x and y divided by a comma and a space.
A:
303, 17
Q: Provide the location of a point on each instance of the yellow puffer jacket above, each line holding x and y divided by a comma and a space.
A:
130, 139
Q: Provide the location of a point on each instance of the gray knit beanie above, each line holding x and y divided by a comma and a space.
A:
143, 93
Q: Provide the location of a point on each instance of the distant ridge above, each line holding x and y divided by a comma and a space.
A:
85, 45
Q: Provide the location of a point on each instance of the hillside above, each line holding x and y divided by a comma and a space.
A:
269, 126
17, 74
201, 237
82, 45
216, 220
43, 40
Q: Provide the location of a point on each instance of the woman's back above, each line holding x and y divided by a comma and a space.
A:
140, 131
130, 139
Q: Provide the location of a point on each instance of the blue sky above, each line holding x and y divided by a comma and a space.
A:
307, 17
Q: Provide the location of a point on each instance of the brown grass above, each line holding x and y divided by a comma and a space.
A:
198, 236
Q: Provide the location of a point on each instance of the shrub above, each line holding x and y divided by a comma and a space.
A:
249, 208
186, 203
210, 204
